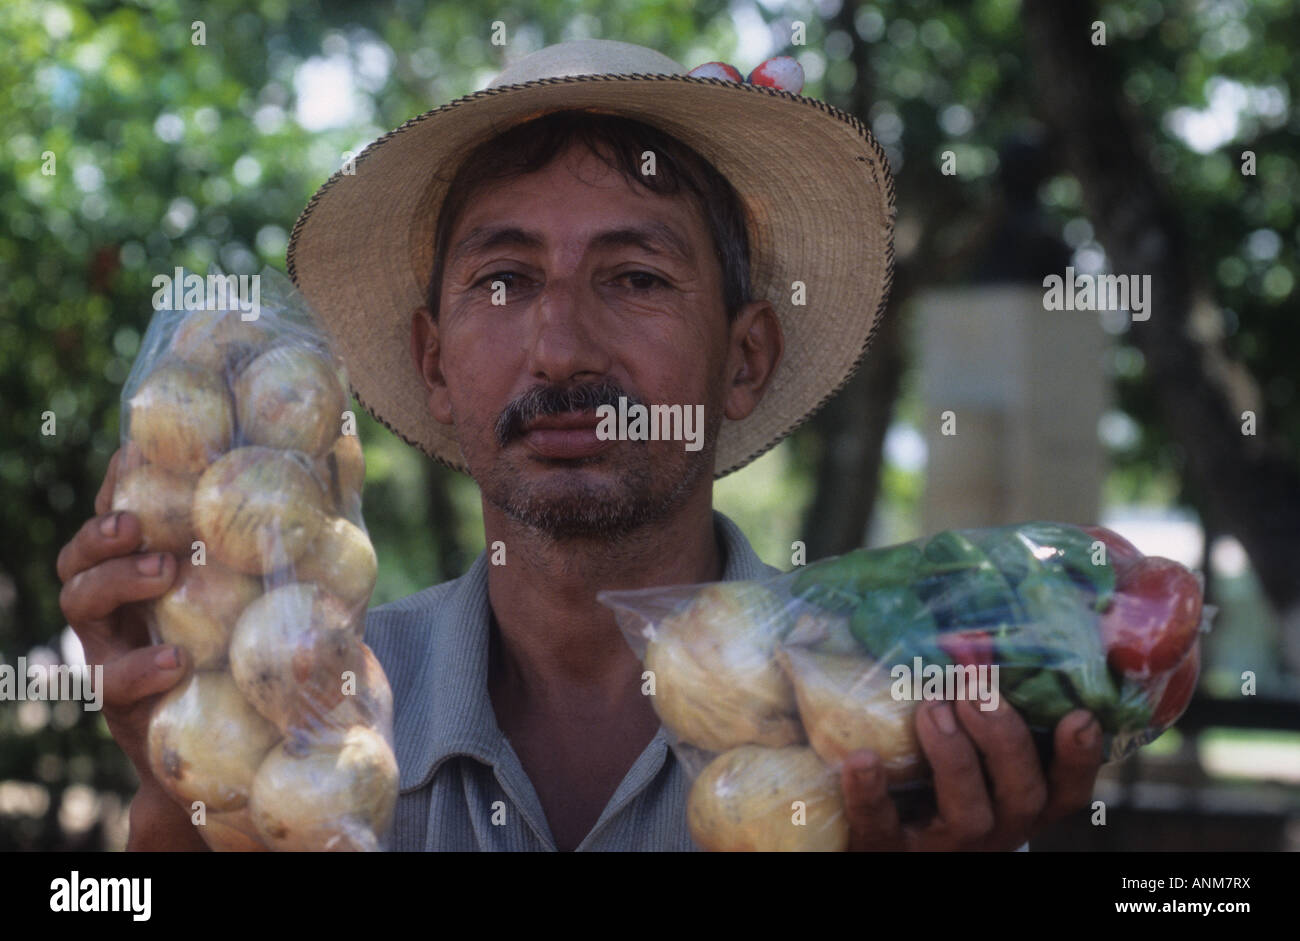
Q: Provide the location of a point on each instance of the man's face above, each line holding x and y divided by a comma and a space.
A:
608, 289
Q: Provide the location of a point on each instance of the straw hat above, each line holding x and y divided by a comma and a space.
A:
815, 185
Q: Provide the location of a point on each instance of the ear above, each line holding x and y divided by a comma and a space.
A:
757, 343
426, 351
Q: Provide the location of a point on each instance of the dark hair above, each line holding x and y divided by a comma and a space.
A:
532, 145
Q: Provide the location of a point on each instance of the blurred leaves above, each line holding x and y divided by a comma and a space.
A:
168, 153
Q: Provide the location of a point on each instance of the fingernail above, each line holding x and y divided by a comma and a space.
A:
1087, 735
108, 525
866, 776
168, 658
150, 565
942, 717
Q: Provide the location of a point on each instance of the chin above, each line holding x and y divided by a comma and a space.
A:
568, 504
594, 498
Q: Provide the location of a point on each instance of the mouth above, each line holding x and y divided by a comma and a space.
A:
566, 436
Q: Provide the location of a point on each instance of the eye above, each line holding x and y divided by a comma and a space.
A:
642, 280
503, 276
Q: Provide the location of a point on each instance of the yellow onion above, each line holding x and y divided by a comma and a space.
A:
181, 417
823, 631
206, 742
231, 832
342, 470
745, 801
258, 509
162, 500
199, 611
289, 652
331, 798
845, 705
369, 704
341, 561
289, 397
716, 683
217, 339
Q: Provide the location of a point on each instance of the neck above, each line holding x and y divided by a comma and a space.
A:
558, 645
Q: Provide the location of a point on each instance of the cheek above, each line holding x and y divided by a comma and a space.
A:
478, 381
683, 376
675, 361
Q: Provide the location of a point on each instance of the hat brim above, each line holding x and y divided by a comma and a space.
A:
815, 184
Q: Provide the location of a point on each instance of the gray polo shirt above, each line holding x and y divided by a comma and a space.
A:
461, 786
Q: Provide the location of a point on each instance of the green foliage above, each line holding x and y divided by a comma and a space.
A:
169, 153
166, 153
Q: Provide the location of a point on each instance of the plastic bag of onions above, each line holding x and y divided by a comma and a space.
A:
241, 457
766, 687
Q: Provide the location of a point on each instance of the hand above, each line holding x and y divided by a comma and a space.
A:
101, 575
971, 814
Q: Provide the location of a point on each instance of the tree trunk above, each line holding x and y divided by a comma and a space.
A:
1245, 486
852, 425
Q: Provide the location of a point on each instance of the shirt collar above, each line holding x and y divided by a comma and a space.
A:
458, 718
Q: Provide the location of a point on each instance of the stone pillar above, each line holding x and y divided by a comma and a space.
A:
1026, 388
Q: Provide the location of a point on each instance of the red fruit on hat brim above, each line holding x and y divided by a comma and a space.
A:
716, 70
779, 72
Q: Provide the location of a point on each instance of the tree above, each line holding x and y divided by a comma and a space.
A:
1244, 483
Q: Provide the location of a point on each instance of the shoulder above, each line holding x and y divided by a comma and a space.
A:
402, 632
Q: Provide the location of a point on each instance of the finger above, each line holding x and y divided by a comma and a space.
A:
99, 539
141, 673
104, 499
872, 816
1076, 761
961, 796
1012, 763
92, 596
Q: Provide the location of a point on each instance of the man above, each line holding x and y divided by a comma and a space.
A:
594, 226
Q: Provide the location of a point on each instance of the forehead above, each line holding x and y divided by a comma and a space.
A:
579, 192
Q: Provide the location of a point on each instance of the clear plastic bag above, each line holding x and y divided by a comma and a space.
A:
240, 456
766, 686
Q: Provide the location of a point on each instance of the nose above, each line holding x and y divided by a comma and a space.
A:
564, 339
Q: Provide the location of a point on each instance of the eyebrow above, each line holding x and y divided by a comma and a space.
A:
655, 238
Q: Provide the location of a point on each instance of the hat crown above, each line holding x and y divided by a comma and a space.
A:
586, 57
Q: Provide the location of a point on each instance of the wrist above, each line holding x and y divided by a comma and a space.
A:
158, 823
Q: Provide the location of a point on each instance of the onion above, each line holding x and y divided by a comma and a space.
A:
745, 801
310, 799
199, 611
162, 501
231, 832
716, 683
258, 509
181, 417
342, 469
216, 340
845, 704
289, 397
206, 742
341, 561
370, 705
289, 652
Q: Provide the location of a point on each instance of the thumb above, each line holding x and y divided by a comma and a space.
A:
872, 816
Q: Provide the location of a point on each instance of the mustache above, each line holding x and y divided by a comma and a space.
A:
556, 400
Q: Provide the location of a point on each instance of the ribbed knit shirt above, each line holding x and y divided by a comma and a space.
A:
461, 785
